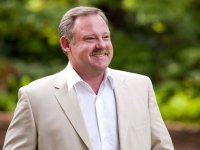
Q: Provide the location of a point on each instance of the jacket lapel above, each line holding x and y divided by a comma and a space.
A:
122, 111
70, 106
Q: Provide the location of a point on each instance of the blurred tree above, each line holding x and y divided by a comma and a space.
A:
158, 38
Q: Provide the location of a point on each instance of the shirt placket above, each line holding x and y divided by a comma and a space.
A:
100, 119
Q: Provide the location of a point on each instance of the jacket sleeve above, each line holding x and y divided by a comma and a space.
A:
21, 133
160, 138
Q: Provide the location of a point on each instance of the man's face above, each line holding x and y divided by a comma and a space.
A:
91, 49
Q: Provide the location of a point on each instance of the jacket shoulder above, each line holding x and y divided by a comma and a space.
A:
41, 83
123, 75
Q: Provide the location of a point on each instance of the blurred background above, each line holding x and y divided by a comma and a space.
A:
157, 38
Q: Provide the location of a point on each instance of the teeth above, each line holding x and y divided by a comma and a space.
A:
98, 53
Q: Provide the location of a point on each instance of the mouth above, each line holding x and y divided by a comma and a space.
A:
99, 53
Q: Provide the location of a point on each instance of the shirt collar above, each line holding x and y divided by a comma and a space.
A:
108, 76
73, 78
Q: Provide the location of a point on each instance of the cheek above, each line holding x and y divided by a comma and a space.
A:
86, 47
109, 44
84, 50
110, 47
80, 49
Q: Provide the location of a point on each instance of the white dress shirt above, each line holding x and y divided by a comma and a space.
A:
99, 111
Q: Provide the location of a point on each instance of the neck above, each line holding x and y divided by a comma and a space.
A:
93, 81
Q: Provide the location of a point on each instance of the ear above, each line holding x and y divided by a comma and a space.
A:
64, 43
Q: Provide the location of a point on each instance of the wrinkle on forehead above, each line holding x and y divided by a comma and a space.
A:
90, 25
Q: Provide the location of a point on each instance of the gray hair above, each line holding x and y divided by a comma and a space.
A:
67, 22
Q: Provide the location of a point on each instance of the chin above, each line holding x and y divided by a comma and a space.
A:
102, 68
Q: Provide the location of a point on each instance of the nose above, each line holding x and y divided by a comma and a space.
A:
100, 44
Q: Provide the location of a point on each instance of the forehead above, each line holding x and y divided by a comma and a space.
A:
90, 23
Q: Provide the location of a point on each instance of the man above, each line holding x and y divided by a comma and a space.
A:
87, 105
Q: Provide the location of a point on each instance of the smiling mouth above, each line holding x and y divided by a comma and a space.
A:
99, 53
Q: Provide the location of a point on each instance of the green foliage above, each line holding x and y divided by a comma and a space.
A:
27, 29
181, 106
128, 54
16, 74
156, 38
8, 86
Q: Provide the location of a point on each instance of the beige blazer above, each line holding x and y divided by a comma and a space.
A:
48, 116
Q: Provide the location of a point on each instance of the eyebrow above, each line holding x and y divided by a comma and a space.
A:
105, 33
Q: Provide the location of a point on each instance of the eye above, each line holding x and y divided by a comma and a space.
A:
89, 38
106, 37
